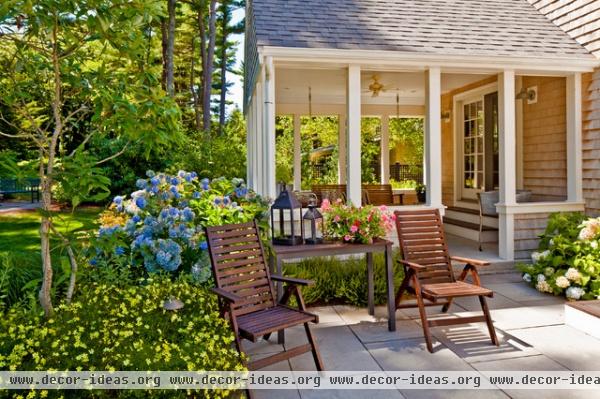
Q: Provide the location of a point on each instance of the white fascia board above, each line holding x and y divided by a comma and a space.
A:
409, 59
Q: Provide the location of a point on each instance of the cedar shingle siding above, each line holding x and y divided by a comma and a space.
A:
580, 19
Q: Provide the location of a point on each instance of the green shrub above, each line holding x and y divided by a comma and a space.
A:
341, 281
123, 327
568, 260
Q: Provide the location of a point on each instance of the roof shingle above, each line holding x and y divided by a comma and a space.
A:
444, 27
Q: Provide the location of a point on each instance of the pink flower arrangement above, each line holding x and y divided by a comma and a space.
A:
352, 224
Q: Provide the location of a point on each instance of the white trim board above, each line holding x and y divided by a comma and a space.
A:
401, 59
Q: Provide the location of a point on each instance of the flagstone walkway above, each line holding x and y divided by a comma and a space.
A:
530, 326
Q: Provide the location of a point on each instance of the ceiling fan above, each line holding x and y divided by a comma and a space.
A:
377, 87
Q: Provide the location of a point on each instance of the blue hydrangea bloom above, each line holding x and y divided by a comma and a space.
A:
181, 173
241, 192
196, 195
174, 181
165, 196
140, 202
188, 178
155, 181
136, 218
205, 181
194, 175
150, 173
205, 186
119, 251
108, 231
174, 212
204, 245
118, 200
188, 214
154, 189
141, 183
173, 189
226, 200
217, 201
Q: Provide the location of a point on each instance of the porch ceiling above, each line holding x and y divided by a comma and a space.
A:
328, 86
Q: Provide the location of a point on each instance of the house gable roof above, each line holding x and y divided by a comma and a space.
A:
437, 27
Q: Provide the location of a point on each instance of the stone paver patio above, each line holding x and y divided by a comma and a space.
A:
530, 326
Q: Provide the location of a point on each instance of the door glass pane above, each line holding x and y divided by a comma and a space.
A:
473, 145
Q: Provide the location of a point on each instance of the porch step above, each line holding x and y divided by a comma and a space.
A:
470, 230
471, 216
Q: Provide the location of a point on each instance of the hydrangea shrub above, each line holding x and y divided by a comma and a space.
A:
159, 227
568, 260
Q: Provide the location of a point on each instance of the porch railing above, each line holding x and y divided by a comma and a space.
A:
398, 172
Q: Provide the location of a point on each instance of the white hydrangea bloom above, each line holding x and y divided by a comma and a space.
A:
594, 244
540, 278
132, 208
543, 286
527, 277
575, 293
535, 256
139, 193
562, 282
551, 243
573, 274
549, 271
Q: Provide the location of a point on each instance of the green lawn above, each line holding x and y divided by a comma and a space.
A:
20, 232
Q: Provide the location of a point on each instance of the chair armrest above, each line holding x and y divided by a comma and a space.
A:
228, 296
289, 280
412, 265
473, 262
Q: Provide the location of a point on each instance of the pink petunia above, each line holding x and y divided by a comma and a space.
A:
325, 205
354, 228
347, 237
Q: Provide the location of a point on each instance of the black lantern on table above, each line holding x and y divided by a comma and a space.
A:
314, 224
285, 230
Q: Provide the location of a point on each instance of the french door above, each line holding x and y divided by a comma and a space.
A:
480, 162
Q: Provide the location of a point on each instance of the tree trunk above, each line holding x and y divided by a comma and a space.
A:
164, 40
171, 48
193, 88
225, 34
208, 71
45, 292
202, 30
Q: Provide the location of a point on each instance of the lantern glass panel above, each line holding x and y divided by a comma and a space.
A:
286, 228
313, 225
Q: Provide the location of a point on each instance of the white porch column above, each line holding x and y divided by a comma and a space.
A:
269, 128
433, 137
574, 143
353, 136
260, 142
249, 147
342, 167
507, 143
297, 152
385, 149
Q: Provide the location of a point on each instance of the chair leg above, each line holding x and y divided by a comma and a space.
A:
424, 321
315, 349
403, 286
488, 320
447, 305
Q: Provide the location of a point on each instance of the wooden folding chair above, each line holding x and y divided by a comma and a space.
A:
428, 271
246, 293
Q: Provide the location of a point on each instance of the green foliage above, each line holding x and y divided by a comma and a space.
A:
123, 327
80, 179
568, 261
408, 132
403, 184
214, 155
20, 271
341, 281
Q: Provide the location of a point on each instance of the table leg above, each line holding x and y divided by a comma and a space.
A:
389, 268
280, 333
370, 284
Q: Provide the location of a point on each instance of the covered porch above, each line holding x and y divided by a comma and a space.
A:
529, 139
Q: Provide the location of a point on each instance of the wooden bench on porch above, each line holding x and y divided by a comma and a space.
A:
372, 194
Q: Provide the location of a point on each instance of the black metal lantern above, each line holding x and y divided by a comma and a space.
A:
285, 230
314, 224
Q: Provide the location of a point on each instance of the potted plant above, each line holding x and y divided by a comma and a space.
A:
355, 225
421, 191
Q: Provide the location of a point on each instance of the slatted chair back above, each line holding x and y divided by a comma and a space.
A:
422, 241
239, 265
379, 194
